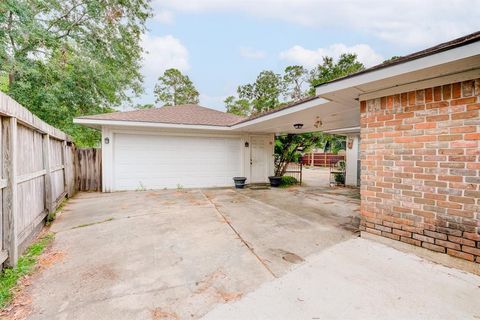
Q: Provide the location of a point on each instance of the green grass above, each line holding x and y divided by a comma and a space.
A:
9, 276
53, 215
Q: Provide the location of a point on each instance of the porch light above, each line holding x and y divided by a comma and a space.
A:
247, 144
107, 140
298, 125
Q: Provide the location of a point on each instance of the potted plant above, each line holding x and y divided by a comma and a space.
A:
275, 181
239, 182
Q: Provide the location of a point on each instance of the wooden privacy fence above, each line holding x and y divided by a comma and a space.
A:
37, 173
320, 159
88, 169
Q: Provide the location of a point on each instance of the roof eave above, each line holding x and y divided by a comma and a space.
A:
395, 69
98, 123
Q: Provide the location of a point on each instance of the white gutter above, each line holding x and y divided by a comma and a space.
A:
344, 130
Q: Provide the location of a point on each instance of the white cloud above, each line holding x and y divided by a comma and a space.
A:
402, 22
309, 58
162, 53
251, 53
164, 16
214, 102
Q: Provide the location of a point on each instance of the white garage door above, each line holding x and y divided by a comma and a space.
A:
161, 161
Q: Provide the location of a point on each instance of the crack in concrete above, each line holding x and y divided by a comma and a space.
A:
250, 248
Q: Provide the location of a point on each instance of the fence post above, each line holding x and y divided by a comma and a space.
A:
48, 177
9, 160
64, 163
301, 172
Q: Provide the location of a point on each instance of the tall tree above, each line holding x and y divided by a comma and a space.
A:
294, 79
264, 94
330, 69
240, 107
174, 88
66, 58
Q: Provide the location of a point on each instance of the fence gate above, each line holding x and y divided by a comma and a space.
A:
88, 168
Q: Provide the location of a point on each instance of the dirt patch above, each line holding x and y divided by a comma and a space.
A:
209, 281
229, 296
50, 258
103, 272
159, 314
214, 285
21, 306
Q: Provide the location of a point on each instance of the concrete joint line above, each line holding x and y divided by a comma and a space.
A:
251, 249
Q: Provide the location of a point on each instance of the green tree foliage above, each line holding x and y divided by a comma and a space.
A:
330, 70
294, 79
68, 58
332, 143
174, 88
145, 106
289, 148
297, 82
240, 107
264, 94
392, 59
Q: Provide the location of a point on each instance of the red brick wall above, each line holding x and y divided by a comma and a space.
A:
420, 176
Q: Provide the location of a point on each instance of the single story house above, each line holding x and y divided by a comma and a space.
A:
414, 122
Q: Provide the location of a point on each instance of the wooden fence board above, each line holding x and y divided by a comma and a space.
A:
321, 159
9, 194
33, 162
39, 166
3, 185
88, 168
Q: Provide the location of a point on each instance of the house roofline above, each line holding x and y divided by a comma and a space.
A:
149, 124
459, 42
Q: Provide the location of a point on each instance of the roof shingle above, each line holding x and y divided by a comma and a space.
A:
190, 114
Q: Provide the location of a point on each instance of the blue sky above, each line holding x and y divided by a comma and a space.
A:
221, 44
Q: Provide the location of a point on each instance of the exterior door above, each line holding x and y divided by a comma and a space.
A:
258, 159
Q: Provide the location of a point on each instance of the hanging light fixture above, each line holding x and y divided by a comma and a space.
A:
298, 125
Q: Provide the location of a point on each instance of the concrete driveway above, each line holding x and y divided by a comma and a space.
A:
176, 254
227, 254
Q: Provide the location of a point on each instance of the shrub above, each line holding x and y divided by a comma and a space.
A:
288, 181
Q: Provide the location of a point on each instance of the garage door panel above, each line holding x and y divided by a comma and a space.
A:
155, 162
